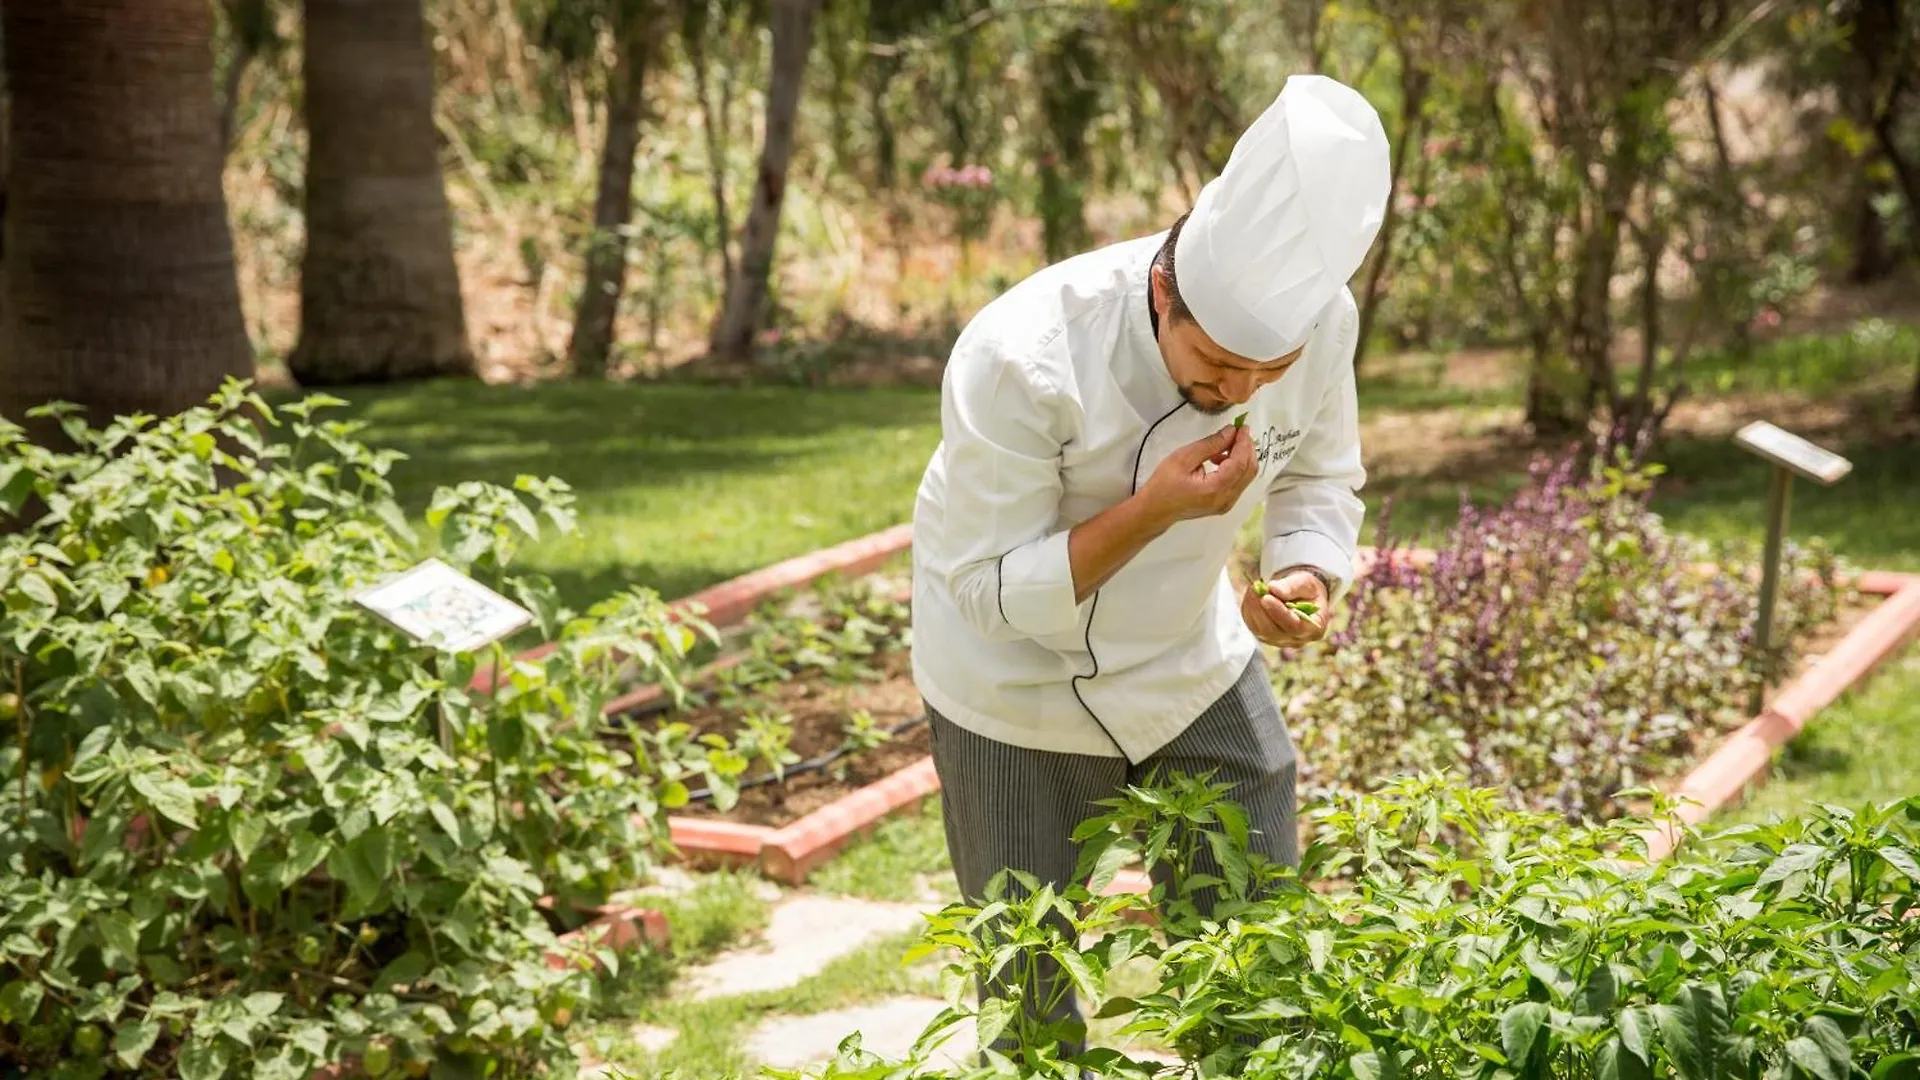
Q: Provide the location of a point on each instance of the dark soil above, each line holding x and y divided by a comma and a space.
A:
819, 712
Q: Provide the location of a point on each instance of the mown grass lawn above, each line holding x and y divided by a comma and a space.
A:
680, 486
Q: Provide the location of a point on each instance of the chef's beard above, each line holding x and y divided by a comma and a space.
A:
1191, 397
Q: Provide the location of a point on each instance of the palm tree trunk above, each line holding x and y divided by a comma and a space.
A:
379, 292
746, 302
120, 291
612, 206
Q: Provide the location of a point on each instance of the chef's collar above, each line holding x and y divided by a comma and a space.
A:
1142, 374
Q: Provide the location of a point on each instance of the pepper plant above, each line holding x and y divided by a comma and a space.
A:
249, 829
1447, 935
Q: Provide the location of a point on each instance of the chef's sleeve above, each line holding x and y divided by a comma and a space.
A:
1003, 555
1313, 512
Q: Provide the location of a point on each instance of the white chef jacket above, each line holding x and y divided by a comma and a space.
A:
1056, 405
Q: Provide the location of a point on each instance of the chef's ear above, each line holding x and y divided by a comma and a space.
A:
1159, 288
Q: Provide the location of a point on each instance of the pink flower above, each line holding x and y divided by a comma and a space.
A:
770, 337
1756, 200
1405, 202
1767, 319
1699, 252
1436, 147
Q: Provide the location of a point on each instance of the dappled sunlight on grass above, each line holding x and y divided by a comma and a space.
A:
680, 486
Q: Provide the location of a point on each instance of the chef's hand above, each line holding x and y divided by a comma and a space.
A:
1182, 487
1273, 622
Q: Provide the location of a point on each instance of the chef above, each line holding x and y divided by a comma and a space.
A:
1075, 628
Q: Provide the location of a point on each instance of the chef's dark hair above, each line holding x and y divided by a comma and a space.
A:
1164, 260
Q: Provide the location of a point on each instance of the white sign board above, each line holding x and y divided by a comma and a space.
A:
1786, 449
437, 605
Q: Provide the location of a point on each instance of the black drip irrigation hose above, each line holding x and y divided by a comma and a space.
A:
808, 766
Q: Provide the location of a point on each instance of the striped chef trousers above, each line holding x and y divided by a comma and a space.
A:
1009, 807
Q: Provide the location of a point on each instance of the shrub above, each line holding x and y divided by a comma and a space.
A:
1563, 646
1522, 949
246, 827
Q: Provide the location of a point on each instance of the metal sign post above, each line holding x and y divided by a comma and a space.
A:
1791, 455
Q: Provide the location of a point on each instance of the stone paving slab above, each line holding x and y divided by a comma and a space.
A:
804, 935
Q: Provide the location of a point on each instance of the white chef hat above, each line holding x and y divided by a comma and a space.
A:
1285, 225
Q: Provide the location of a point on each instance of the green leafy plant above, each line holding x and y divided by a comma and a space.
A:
249, 828
862, 732
1451, 935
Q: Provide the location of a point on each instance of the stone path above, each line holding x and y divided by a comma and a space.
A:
805, 934
887, 1028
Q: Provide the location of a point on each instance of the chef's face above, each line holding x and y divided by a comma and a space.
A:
1212, 379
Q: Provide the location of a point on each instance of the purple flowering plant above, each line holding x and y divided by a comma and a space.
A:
1564, 646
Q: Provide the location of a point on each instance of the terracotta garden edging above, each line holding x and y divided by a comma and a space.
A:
734, 599
1743, 758
619, 927
795, 850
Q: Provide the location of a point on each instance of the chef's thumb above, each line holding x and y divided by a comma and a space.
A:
1216, 443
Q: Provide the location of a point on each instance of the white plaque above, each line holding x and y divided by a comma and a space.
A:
1784, 448
437, 605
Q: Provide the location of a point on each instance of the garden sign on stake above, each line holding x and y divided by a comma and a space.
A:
437, 605
1789, 454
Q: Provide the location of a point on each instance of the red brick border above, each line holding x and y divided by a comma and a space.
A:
733, 600
1744, 757
710, 842
794, 851
620, 927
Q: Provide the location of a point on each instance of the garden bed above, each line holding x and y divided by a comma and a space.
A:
818, 716
824, 714
792, 824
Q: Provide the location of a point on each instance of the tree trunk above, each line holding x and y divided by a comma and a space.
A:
1635, 416
1315, 11
694, 33
886, 169
1904, 170
1873, 254
1550, 414
1413, 97
746, 301
120, 292
379, 292
612, 206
